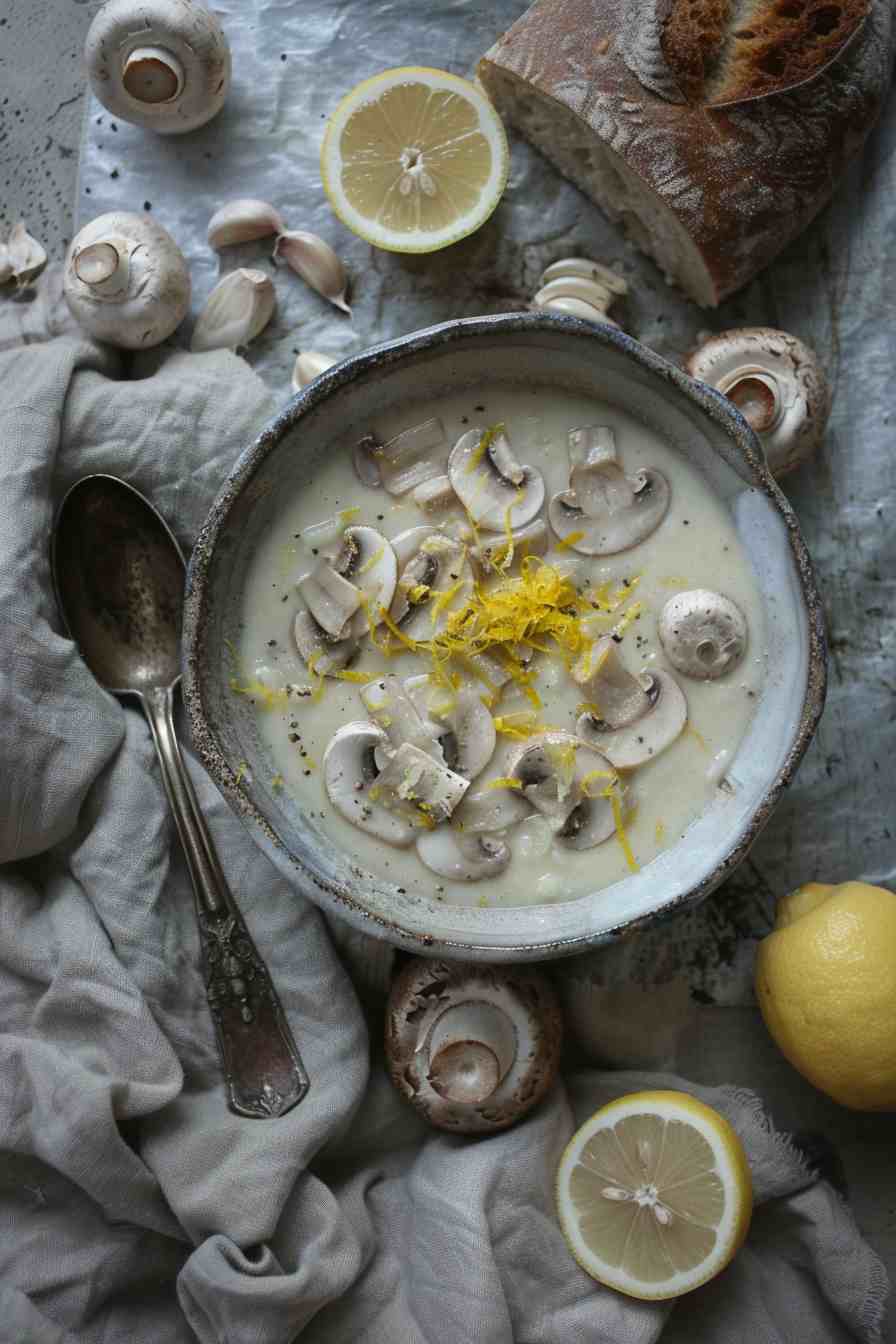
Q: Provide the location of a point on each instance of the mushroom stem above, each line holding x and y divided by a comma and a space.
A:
104, 267
152, 75
757, 395
471, 1049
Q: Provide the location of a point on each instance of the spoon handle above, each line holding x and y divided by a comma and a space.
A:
262, 1066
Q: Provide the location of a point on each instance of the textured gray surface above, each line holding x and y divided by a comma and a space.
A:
41, 106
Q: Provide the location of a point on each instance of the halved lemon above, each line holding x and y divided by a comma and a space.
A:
414, 159
654, 1194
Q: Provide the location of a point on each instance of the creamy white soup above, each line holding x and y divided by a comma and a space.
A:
514, 662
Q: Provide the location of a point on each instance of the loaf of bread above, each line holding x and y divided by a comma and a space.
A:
712, 130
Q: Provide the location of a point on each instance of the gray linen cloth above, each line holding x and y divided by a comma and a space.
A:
134, 1207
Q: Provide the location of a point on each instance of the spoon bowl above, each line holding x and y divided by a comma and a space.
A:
119, 577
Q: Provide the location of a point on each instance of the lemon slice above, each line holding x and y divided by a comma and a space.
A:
414, 159
654, 1194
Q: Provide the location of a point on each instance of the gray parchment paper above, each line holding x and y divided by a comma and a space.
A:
833, 287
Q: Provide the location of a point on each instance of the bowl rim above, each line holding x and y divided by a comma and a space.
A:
713, 404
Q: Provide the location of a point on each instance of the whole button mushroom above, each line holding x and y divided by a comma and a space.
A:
778, 385
703, 634
162, 64
473, 1048
126, 281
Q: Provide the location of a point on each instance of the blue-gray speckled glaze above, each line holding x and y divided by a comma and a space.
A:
601, 361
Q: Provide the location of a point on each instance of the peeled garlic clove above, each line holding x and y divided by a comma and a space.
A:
238, 308
25, 256
243, 221
307, 367
316, 262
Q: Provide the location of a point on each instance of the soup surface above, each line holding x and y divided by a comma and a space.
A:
578, 610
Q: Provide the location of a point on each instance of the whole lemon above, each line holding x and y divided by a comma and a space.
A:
826, 985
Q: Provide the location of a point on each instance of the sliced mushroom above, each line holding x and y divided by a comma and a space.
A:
620, 697
435, 495
776, 382
532, 539
323, 538
438, 566
703, 634
611, 511
563, 778
411, 458
312, 641
407, 543
350, 772
639, 716
463, 857
491, 484
389, 704
425, 786
365, 456
330, 598
487, 809
465, 729
368, 561
472, 1048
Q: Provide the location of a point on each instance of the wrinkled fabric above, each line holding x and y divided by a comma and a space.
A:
134, 1206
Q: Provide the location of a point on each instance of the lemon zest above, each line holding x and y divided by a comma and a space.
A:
570, 540
698, 737
444, 598
505, 782
620, 832
346, 674
659, 832
418, 593
277, 782
374, 560
598, 774
242, 772
346, 515
271, 697
483, 445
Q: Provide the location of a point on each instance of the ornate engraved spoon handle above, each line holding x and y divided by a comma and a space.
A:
262, 1065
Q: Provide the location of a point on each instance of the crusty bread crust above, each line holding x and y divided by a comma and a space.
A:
692, 37
738, 182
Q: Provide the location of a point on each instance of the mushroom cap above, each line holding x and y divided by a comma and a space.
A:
703, 634
463, 857
473, 1049
562, 777
371, 566
152, 293
312, 641
438, 563
349, 771
488, 809
777, 383
531, 539
494, 489
464, 728
641, 739
610, 520
331, 599
174, 36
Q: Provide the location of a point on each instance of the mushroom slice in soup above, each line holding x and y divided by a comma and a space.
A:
461, 722
568, 782
631, 719
350, 775
412, 457
438, 571
463, 857
393, 709
330, 598
604, 511
318, 650
495, 489
415, 782
368, 561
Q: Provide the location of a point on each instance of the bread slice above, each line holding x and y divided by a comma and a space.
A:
712, 195
726, 51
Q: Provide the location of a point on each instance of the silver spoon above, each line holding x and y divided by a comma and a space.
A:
119, 579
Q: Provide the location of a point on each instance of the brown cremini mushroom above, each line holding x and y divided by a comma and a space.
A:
473, 1048
778, 385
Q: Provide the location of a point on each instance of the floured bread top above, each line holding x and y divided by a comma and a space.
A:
715, 52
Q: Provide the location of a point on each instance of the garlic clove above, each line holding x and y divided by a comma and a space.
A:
242, 221
308, 366
5, 264
25, 256
315, 261
238, 308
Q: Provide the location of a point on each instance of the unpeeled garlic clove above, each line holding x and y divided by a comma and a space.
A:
307, 367
25, 256
315, 261
243, 221
238, 308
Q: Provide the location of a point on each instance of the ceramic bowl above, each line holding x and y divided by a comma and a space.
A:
560, 351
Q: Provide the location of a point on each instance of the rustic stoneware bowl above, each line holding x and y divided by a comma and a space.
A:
561, 352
